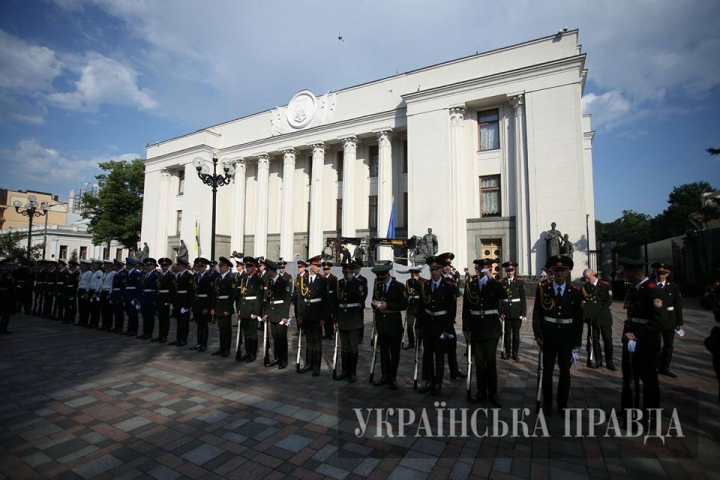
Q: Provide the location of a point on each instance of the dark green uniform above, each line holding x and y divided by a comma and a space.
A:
165, 297
413, 291
312, 298
250, 308
182, 305
674, 321
439, 308
349, 315
514, 308
7, 299
203, 304
389, 327
24, 284
597, 300
278, 295
225, 289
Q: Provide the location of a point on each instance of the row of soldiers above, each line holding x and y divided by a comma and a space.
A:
262, 293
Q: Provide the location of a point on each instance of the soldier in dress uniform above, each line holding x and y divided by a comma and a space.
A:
117, 294
332, 284
204, 301
7, 295
166, 294
278, 295
313, 303
438, 297
349, 318
558, 329
148, 298
96, 280
24, 284
512, 310
49, 291
183, 301
106, 307
302, 265
250, 309
711, 301
451, 343
597, 300
281, 265
646, 318
83, 299
388, 302
133, 292
357, 269
71, 287
674, 315
40, 278
61, 300
481, 326
225, 290
412, 286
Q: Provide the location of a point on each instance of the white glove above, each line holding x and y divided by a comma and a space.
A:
631, 346
680, 332
524, 319
575, 355
183, 310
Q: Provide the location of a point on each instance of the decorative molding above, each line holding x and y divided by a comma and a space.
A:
288, 156
350, 142
457, 115
240, 164
384, 136
304, 111
263, 161
318, 148
165, 174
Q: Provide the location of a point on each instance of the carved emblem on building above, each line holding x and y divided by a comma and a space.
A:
304, 111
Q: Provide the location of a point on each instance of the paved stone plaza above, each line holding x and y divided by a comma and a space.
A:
86, 404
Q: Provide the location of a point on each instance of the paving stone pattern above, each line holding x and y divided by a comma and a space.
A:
76, 403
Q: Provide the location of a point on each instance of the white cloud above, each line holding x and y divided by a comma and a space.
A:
607, 109
104, 80
26, 67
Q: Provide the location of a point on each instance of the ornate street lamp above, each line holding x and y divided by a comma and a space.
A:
31, 211
213, 180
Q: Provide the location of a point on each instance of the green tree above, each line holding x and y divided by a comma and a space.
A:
14, 245
683, 201
631, 227
116, 212
713, 151
74, 255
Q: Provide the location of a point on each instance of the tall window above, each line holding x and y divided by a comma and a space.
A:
374, 160
179, 222
338, 214
373, 212
489, 123
118, 254
181, 182
63, 252
490, 196
83, 253
106, 253
405, 210
405, 157
340, 164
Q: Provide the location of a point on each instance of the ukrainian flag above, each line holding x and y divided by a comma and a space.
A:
197, 236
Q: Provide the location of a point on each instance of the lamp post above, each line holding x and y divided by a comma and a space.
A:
46, 225
31, 211
213, 180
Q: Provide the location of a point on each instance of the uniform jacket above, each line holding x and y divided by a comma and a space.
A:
252, 295
413, 290
569, 306
204, 286
118, 290
312, 299
71, 285
646, 304
150, 286
7, 290
166, 288
184, 291
40, 280
443, 299
50, 281
133, 286
287, 277
598, 299
389, 321
225, 291
711, 300
515, 305
481, 308
673, 305
332, 294
364, 281
24, 280
60, 280
350, 305
278, 296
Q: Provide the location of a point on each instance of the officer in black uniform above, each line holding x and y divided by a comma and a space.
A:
204, 287
250, 308
148, 299
357, 269
7, 295
558, 329
278, 295
412, 286
646, 318
332, 298
482, 327
49, 291
117, 295
301, 265
388, 302
438, 297
225, 290
40, 280
183, 301
674, 315
281, 265
313, 304
512, 310
71, 287
24, 283
349, 318
597, 298
166, 294
61, 299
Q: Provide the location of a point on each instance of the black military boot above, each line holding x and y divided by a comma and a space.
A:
353, 361
309, 358
318, 362
345, 366
252, 350
246, 355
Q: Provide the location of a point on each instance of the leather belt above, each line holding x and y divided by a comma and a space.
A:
202, 295
149, 290
181, 291
483, 312
349, 305
129, 288
163, 291
312, 300
277, 302
559, 321
59, 283
250, 298
641, 321
510, 300
436, 314
223, 297
671, 309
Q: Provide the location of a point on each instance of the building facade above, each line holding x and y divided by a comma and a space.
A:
487, 150
9, 218
76, 195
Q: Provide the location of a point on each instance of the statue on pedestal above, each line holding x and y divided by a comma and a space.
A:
427, 247
567, 248
183, 252
145, 253
553, 239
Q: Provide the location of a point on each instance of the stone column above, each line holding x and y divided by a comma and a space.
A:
315, 244
238, 234
261, 206
348, 186
163, 203
458, 228
522, 240
384, 189
287, 228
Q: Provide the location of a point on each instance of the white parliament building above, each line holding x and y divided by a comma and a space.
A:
487, 150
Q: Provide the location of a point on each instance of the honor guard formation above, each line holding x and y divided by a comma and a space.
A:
419, 315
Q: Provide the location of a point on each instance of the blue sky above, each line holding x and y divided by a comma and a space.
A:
83, 81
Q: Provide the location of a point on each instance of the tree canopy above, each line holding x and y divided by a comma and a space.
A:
14, 245
116, 212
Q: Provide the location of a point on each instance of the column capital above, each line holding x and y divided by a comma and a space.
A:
318, 148
240, 164
288, 155
263, 160
349, 141
384, 135
517, 101
457, 114
165, 173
